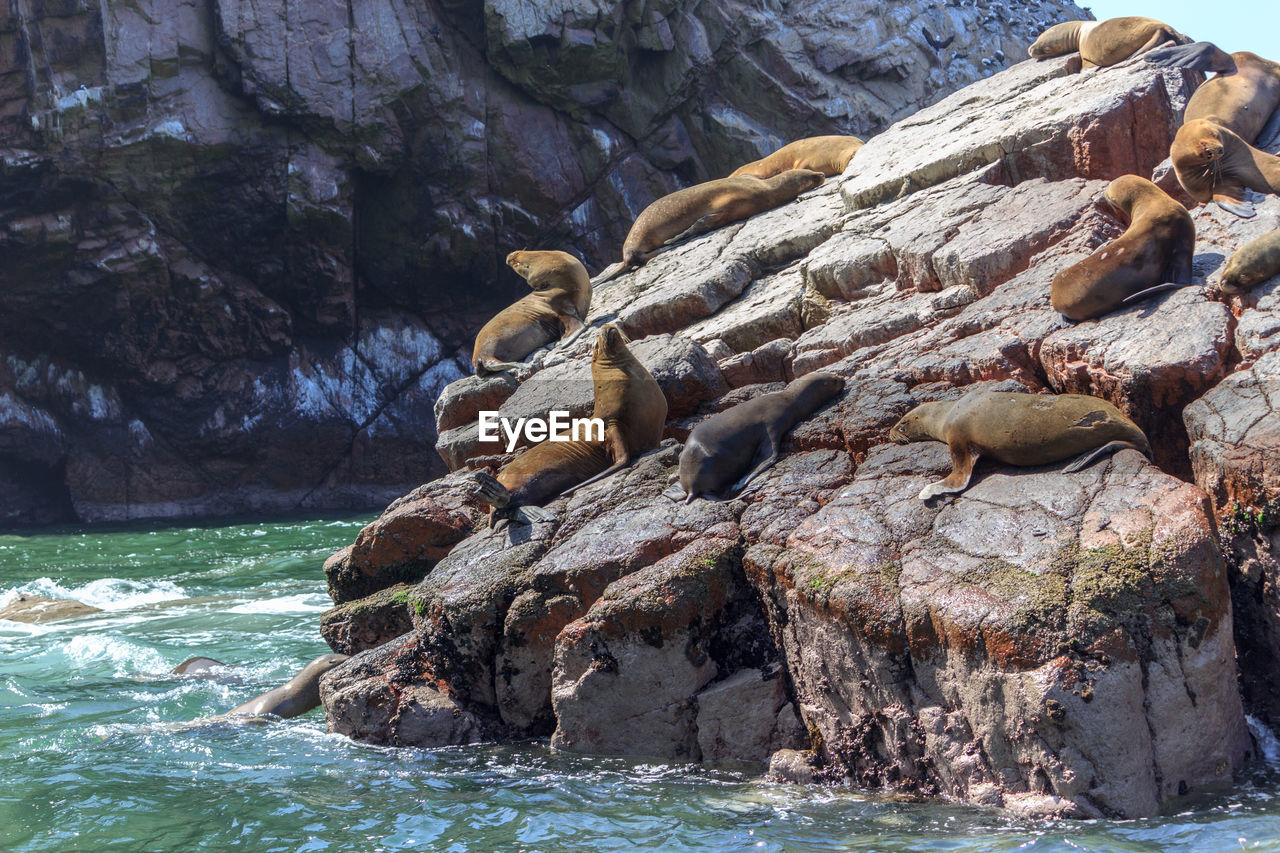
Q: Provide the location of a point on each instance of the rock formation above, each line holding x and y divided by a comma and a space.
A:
242, 244
1053, 643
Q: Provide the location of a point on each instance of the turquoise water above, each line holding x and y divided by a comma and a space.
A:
88, 763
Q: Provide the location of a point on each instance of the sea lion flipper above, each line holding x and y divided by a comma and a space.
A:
1198, 56
1087, 459
488, 489
530, 514
962, 461
490, 366
701, 226
573, 336
676, 493
597, 478
1240, 207
1143, 294
609, 274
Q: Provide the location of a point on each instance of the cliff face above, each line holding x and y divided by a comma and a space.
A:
241, 243
1053, 643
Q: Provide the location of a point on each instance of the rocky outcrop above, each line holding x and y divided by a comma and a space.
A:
368, 622
39, 608
245, 245
1058, 644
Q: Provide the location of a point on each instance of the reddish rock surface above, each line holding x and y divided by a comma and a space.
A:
1055, 644
368, 622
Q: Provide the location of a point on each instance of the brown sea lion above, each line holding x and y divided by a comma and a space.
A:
1157, 247
728, 450
1107, 42
536, 476
705, 207
1018, 429
1213, 153
634, 411
558, 305
295, 697
826, 154
1253, 263
1215, 164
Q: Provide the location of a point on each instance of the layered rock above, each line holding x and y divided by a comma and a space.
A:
233, 226
1053, 643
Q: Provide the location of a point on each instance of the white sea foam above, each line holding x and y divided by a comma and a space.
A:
1268, 743
104, 593
125, 658
307, 602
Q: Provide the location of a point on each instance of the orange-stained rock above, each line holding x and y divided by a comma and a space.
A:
406, 541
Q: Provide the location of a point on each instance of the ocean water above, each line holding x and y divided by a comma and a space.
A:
91, 762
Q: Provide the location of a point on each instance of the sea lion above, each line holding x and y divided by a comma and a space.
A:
1212, 153
826, 154
1018, 429
632, 407
1107, 42
295, 697
536, 476
558, 305
1253, 263
1157, 247
704, 207
198, 666
1215, 164
728, 450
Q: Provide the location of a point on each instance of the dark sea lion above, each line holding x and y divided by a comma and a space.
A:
36, 609
634, 411
704, 207
826, 154
728, 450
1156, 248
1018, 429
1107, 42
1212, 153
295, 697
1253, 263
558, 305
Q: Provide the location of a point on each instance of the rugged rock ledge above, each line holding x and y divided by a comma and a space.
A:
229, 226
1052, 643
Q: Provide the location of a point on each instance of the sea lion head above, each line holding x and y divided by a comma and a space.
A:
802, 180
1126, 191
815, 389
918, 424
610, 343
1055, 41
1198, 143
545, 269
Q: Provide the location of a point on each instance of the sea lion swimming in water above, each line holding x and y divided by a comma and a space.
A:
1156, 248
1018, 429
728, 450
633, 410
295, 697
557, 306
1212, 153
705, 207
826, 154
1106, 42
